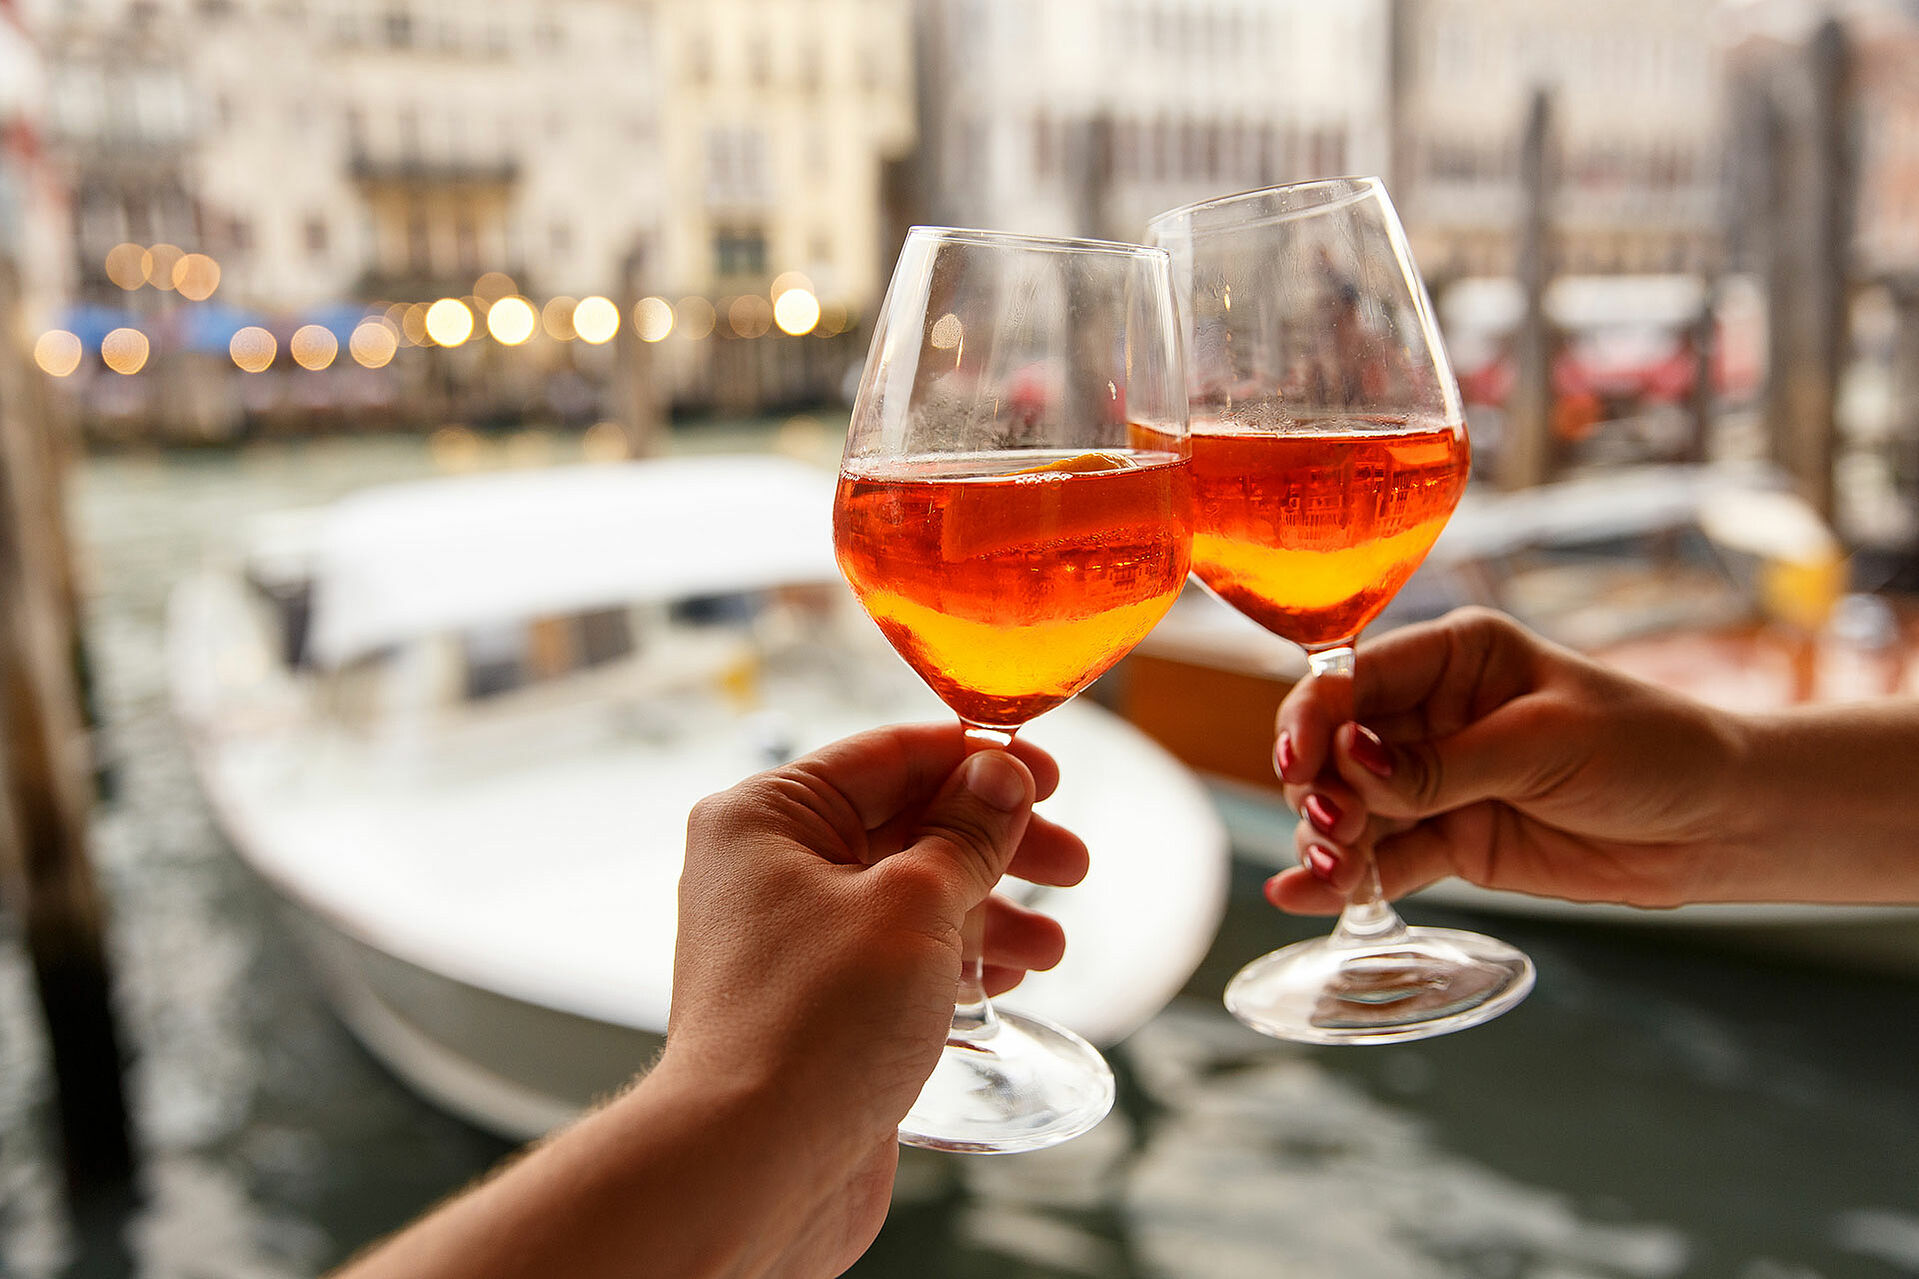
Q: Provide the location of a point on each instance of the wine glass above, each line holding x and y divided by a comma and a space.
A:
1328, 451
1014, 511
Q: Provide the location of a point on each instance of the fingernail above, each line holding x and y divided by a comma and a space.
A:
1284, 757
1320, 861
1371, 752
995, 779
1322, 813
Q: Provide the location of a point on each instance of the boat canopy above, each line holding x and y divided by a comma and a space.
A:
1746, 510
404, 561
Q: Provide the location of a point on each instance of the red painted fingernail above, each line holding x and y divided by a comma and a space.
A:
1284, 757
1321, 862
1371, 752
1322, 813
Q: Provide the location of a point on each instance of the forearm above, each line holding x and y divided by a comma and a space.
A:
1823, 805
679, 1177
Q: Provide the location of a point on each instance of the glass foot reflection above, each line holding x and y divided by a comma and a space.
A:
1418, 983
1028, 1085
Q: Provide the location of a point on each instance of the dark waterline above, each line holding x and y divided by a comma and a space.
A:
1653, 1109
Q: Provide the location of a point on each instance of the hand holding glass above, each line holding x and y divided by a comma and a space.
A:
1328, 450
1014, 511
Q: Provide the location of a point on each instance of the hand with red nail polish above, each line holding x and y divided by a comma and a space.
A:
1471, 747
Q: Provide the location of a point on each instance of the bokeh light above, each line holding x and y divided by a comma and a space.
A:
456, 448
196, 276
313, 347
653, 319
493, 286
159, 262
58, 352
124, 350
604, 442
596, 320
511, 320
527, 450
804, 437
373, 344
253, 349
127, 266
796, 311
834, 319
750, 315
413, 324
557, 318
696, 317
449, 322
786, 280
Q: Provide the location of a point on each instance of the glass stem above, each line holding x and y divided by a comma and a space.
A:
974, 1020
1367, 920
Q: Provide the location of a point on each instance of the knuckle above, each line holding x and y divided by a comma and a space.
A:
1423, 784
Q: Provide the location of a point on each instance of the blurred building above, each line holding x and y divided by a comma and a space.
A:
336, 149
1638, 111
1088, 116
688, 160
331, 149
781, 121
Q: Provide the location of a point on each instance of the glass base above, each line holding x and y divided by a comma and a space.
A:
1027, 1085
1419, 983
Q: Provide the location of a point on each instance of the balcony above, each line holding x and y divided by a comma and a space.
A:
416, 171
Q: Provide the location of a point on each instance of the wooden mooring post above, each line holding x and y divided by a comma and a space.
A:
1527, 445
46, 877
1806, 219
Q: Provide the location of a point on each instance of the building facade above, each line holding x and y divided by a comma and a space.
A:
329, 150
1086, 117
1638, 107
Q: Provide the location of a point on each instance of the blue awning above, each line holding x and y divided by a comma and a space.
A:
339, 318
210, 326
91, 322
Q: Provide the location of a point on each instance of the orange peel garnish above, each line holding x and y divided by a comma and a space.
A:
1084, 464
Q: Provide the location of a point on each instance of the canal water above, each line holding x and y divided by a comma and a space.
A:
1656, 1108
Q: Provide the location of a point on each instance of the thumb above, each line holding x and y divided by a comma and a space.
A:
968, 834
1488, 759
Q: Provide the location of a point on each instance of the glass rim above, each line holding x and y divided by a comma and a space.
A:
1358, 187
1038, 243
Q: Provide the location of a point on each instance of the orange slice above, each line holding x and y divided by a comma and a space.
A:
1083, 464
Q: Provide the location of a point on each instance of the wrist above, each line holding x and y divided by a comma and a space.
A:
796, 1123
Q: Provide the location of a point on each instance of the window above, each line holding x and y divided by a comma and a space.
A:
736, 166
399, 28
419, 244
739, 251
466, 239
316, 236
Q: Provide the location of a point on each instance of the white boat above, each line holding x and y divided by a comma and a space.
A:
1716, 582
458, 725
